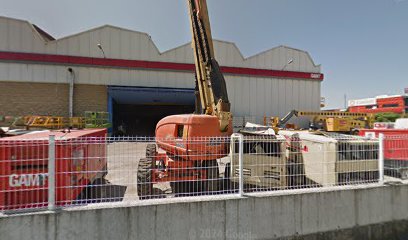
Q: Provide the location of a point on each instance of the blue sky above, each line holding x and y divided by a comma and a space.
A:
361, 44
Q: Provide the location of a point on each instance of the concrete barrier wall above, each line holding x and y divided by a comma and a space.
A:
313, 214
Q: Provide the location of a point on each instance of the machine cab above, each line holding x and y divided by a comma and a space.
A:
188, 136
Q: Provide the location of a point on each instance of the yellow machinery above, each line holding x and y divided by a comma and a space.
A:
53, 122
44, 122
91, 120
345, 122
97, 120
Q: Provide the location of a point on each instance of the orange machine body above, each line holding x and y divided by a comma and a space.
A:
186, 143
192, 137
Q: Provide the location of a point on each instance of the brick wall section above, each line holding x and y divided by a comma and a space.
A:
90, 98
19, 99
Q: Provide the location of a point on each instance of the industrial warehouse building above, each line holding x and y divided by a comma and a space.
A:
136, 82
380, 104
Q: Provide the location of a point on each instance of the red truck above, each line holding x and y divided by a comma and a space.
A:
80, 159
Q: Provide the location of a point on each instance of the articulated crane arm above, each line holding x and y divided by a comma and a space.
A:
211, 89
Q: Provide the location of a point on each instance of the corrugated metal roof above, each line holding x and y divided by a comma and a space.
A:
43, 33
121, 48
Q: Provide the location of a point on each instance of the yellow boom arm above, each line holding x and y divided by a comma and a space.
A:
211, 89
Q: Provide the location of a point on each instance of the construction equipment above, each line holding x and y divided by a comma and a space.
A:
80, 160
53, 122
331, 159
265, 166
91, 120
185, 159
97, 120
46, 122
302, 159
330, 121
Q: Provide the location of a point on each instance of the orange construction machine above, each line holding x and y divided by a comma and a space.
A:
182, 155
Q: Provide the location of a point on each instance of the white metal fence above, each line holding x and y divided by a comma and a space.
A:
395, 156
58, 173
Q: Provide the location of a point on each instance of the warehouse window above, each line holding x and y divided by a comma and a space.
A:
390, 105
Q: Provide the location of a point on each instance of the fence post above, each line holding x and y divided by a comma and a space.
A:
240, 138
51, 173
241, 164
381, 159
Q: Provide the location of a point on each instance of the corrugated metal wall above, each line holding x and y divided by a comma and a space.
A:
253, 96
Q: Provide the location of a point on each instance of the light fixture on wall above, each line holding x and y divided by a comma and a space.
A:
101, 48
288, 63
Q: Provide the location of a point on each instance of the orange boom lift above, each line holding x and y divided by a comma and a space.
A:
182, 155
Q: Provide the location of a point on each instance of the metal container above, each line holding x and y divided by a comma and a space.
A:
334, 159
80, 159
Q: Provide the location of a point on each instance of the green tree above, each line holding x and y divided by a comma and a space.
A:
387, 117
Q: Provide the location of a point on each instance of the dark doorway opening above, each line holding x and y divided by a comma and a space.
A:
141, 120
136, 110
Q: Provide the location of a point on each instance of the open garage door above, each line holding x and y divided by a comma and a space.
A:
136, 110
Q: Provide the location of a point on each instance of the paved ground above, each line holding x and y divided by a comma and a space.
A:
123, 160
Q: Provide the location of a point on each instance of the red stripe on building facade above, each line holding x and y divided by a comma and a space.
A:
151, 65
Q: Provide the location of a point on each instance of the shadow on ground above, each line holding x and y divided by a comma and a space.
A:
101, 191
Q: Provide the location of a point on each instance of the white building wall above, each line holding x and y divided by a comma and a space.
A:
250, 96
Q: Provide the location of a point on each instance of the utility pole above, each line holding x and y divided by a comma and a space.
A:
345, 101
